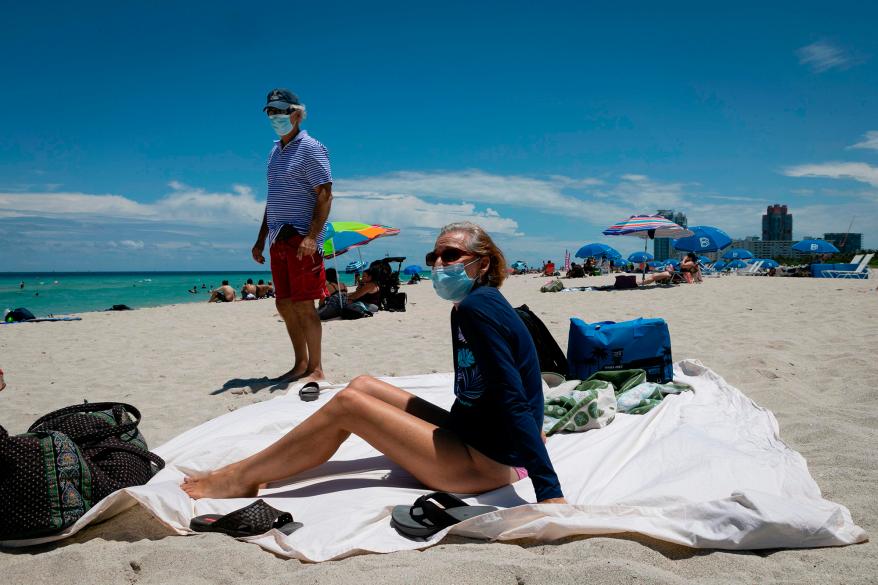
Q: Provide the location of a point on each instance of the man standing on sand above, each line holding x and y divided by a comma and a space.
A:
298, 203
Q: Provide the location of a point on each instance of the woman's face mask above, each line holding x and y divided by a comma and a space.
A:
451, 282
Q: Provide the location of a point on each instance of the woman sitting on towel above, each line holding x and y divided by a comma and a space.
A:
492, 435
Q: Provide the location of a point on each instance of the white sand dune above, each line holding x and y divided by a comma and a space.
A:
803, 348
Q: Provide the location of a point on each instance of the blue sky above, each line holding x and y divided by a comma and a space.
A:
133, 138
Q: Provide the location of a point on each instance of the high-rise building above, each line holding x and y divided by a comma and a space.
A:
777, 224
846, 243
662, 249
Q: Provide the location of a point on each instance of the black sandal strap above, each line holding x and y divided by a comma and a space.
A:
426, 511
257, 518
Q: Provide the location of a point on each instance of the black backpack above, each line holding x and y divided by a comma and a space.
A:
18, 315
552, 359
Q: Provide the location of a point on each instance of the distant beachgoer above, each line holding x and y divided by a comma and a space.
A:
663, 275
690, 268
415, 279
490, 438
331, 305
193, 290
367, 292
21, 284
223, 294
294, 224
249, 291
203, 285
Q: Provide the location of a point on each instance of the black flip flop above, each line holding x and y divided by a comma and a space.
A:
257, 518
433, 512
310, 391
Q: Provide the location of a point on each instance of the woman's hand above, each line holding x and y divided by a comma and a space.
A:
553, 501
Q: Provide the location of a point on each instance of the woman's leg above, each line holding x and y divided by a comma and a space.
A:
385, 417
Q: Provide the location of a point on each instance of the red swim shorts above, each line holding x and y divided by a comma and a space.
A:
295, 279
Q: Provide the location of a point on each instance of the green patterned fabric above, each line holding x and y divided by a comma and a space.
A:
593, 404
68, 480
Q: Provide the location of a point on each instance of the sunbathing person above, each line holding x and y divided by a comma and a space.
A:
661, 276
368, 292
331, 305
223, 294
249, 291
690, 268
489, 439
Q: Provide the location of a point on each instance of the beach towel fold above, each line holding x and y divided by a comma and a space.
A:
704, 469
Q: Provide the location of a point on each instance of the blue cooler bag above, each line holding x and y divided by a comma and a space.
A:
639, 344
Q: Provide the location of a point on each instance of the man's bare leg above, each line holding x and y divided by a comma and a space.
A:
287, 310
312, 328
436, 457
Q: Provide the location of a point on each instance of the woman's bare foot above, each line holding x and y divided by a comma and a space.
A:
218, 484
312, 376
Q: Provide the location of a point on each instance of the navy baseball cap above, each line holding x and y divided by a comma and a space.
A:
281, 99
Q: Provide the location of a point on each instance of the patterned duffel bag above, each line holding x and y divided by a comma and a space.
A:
68, 461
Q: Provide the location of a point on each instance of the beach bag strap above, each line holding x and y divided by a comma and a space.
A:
121, 426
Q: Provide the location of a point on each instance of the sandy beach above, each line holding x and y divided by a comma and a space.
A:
804, 348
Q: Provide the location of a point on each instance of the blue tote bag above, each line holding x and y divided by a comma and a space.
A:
639, 344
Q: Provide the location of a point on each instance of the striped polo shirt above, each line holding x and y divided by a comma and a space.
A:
294, 173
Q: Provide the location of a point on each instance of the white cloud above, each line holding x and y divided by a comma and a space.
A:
823, 56
837, 170
183, 204
132, 244
870, 141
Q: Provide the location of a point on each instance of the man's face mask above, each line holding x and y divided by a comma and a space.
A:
281, 124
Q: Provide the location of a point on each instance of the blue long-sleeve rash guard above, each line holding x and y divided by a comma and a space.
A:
499, 405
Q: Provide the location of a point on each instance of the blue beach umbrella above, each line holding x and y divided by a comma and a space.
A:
704, 238
736, 264
597, 250
638, 257
738, 254
768, 263
719, 265
815, 247
704, 260
412, 269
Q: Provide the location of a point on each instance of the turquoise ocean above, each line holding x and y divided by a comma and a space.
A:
59, 293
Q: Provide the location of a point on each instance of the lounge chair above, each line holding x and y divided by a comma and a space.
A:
755, 269
856, 259
861, 271
751, 268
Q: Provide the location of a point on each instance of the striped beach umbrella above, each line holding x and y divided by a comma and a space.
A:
647, 227
341, 236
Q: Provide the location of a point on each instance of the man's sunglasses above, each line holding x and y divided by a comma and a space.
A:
448, 256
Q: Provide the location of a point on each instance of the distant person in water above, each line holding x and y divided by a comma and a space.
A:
193, 290
223, 294
203, 285
21, 284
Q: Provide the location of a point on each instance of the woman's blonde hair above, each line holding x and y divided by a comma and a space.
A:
480, 243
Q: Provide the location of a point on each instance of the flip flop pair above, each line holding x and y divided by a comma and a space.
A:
433, 512
257, 518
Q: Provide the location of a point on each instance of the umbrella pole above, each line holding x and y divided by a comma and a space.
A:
643, 276
337, 277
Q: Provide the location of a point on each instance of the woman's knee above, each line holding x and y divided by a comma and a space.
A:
362, 383
350, 400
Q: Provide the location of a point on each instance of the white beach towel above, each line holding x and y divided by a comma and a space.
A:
705, 469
